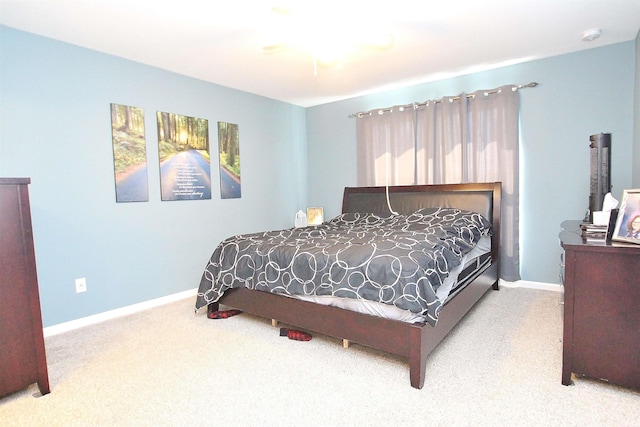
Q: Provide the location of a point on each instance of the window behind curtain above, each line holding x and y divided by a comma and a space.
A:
386, 148
466, 138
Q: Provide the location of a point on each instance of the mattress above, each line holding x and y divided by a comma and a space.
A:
472, 265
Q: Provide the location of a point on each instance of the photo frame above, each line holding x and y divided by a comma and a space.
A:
315, 216
627, 227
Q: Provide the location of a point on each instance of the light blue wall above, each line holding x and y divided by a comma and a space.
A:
579, 95
55, 128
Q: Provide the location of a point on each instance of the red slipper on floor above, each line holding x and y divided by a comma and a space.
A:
223, 314
293, 334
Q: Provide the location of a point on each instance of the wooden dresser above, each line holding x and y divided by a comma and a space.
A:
601, 309
22, 354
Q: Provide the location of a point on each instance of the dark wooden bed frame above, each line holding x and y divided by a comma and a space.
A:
413, 341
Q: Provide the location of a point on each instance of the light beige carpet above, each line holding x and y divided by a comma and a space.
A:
169, 367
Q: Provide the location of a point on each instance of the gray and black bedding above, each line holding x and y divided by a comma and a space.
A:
399, 260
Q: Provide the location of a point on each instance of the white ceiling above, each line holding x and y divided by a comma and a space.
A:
221, 41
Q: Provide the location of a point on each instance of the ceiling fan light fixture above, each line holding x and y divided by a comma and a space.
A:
327, 37
328, 49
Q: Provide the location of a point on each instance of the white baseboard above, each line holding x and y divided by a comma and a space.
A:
532, 285
119, 312
124, 311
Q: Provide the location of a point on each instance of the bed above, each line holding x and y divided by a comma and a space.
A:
430, 318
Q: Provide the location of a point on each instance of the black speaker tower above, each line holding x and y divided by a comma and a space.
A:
600, 171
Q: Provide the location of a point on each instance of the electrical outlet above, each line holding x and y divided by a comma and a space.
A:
81, 285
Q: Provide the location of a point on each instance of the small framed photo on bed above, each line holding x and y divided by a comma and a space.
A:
315, 216
627, 227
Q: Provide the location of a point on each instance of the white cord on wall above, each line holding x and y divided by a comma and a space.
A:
389, 203
387, 185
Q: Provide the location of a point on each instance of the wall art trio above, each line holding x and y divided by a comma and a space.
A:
184, 156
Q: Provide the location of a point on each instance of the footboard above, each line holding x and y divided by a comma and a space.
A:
427, 338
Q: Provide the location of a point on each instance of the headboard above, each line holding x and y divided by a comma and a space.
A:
483, 198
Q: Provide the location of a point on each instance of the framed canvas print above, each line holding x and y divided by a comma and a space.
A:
183, 151
628, 222
315, 216
229, 153
129, 153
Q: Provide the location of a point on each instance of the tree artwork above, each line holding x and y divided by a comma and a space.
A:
229, 152
129, 153
183, 151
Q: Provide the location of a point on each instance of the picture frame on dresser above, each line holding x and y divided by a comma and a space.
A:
627, 228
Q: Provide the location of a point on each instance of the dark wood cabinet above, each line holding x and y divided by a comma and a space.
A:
601, 337
22, 353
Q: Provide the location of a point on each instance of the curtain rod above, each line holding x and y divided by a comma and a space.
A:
421, 104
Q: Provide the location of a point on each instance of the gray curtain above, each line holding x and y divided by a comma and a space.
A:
466, 138
441, 138
386, 148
